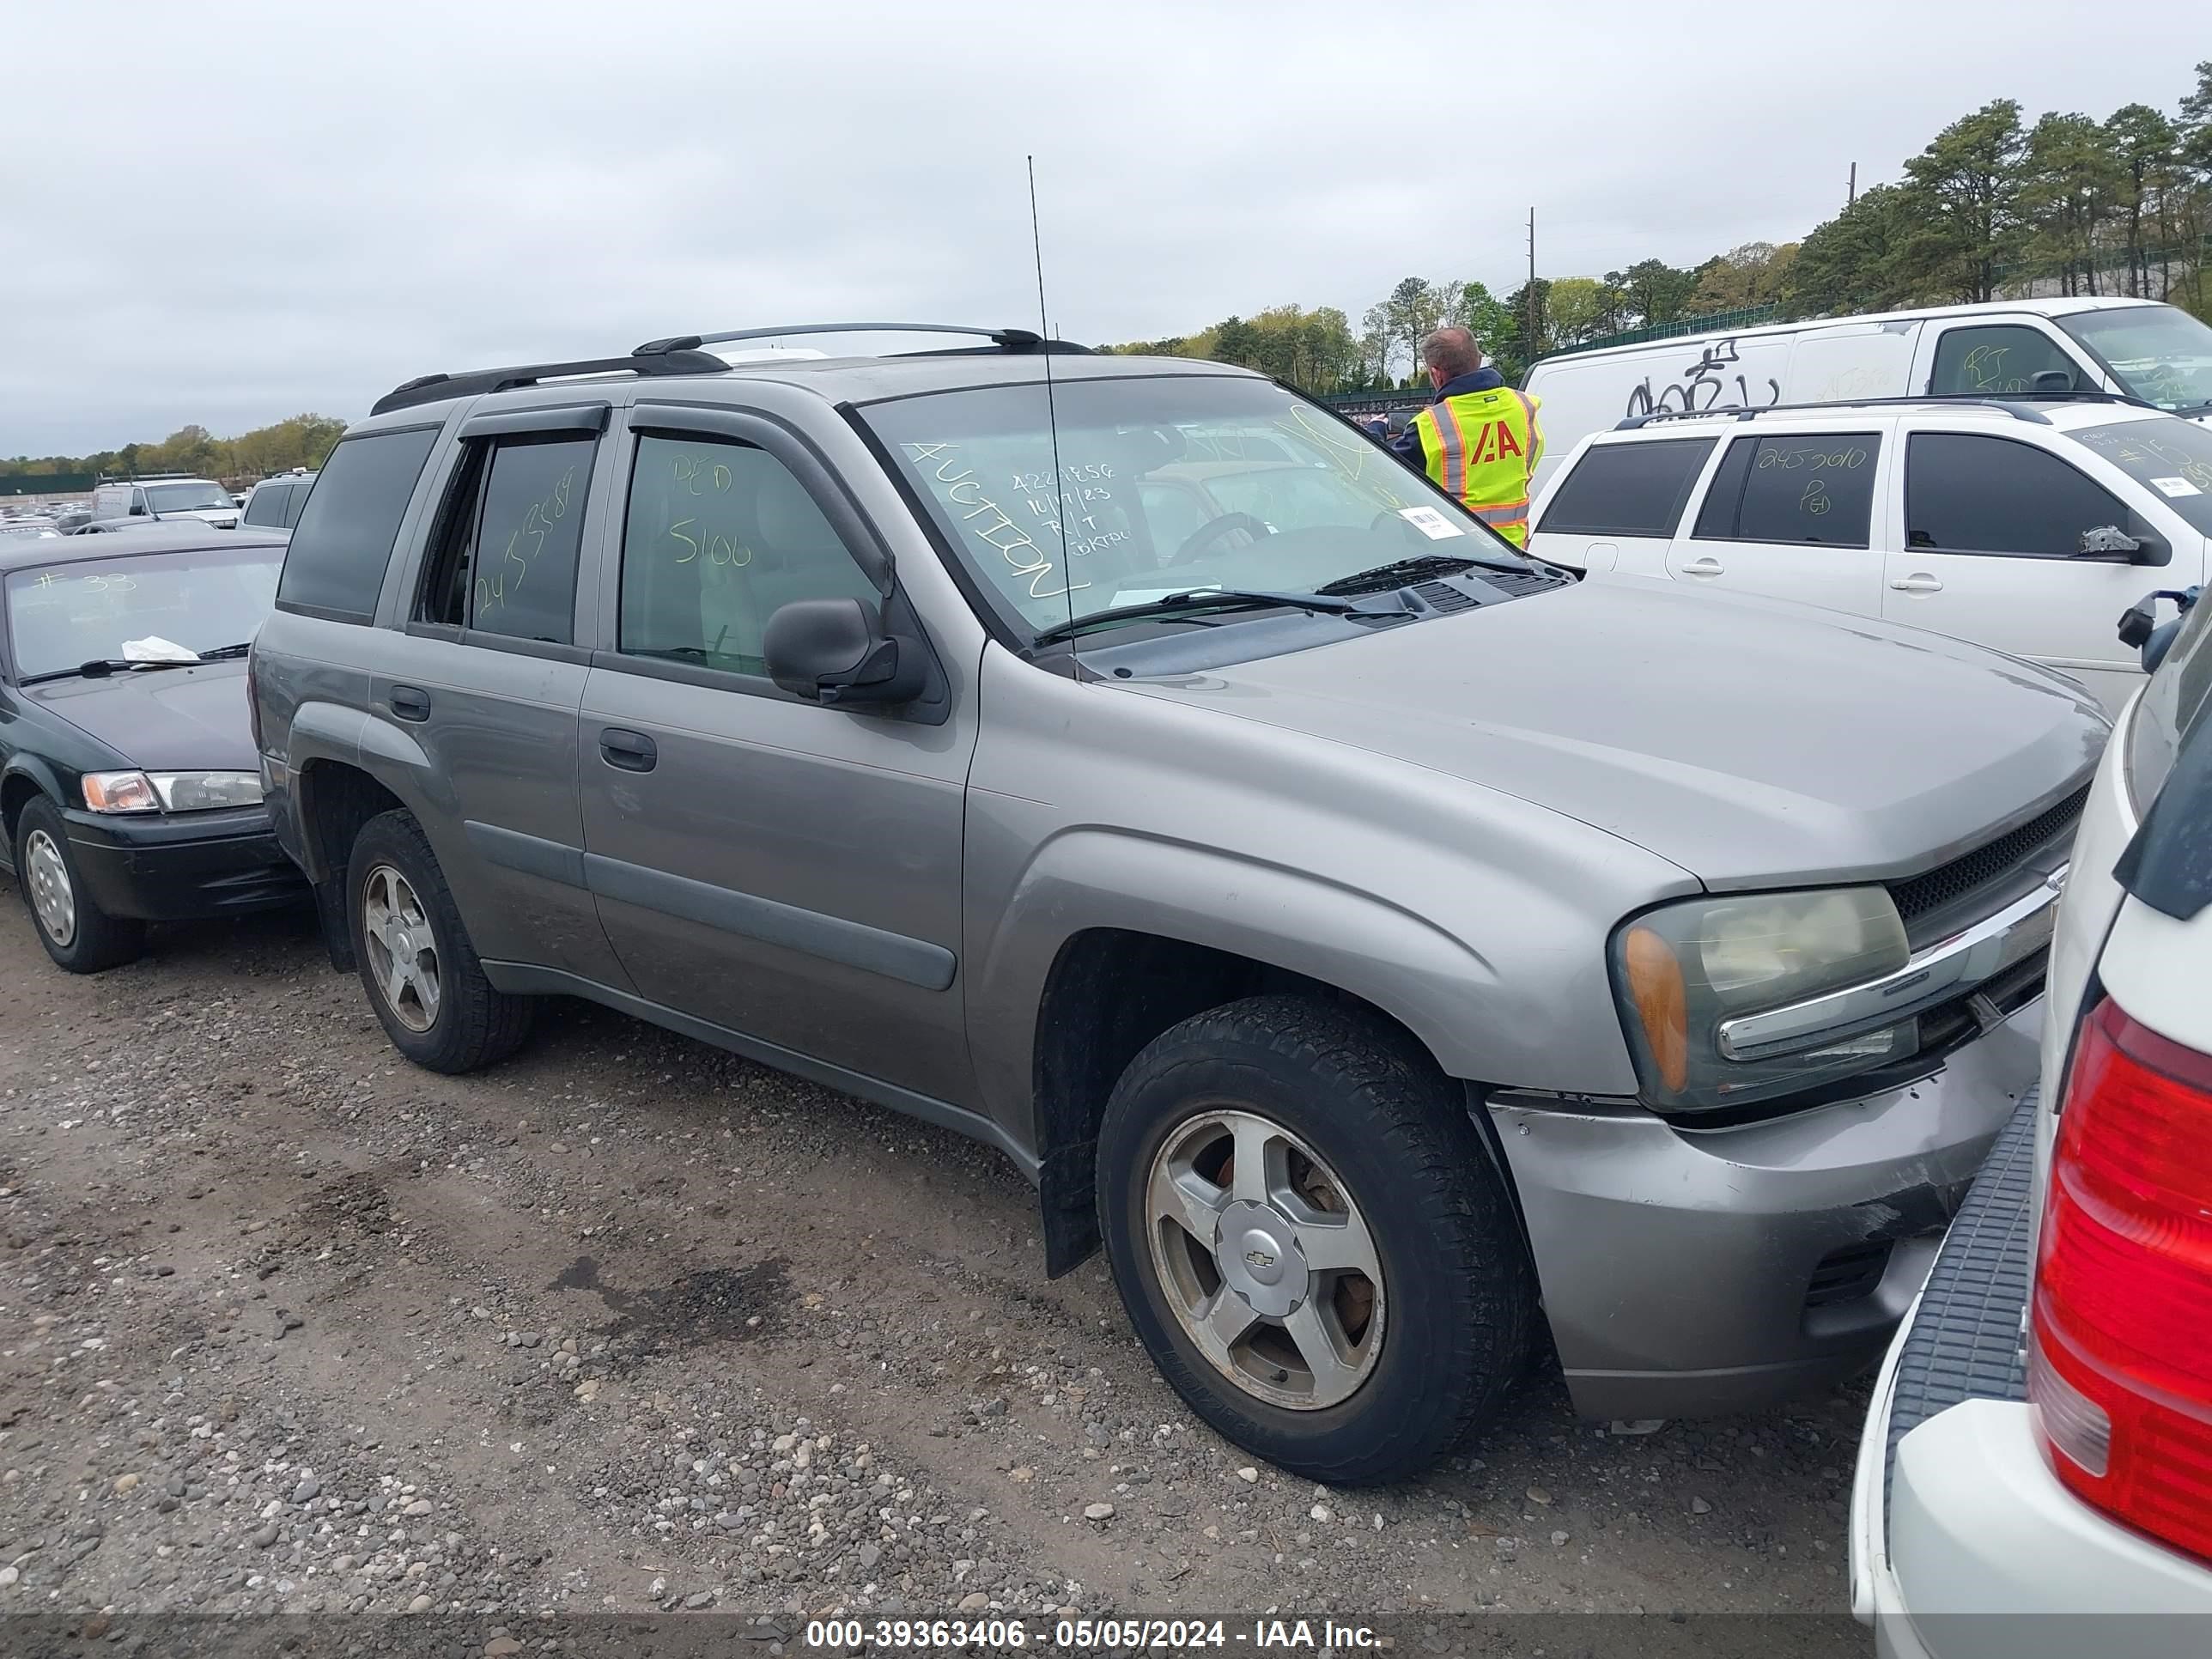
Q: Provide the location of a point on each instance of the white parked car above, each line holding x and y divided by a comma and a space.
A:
2140, 348
2023, 523
2040, 1440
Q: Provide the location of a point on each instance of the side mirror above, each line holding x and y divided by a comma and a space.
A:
2141, 630
835, 651
137, 509
2110, 542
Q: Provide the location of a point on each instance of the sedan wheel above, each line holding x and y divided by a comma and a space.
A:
1267, 1262
403, 948
53, 900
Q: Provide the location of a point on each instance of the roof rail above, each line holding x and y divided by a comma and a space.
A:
2016, 406
1007, 339
436, 388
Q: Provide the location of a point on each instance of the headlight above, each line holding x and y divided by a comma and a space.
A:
1679, 971
202, 792
170, 791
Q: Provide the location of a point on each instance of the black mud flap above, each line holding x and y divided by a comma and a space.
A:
338, 936
1067, 1192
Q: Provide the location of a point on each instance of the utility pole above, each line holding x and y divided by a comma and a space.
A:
1528, 323
1852, 190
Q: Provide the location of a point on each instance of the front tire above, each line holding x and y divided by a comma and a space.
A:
420, 972
77, 933
1310, 1240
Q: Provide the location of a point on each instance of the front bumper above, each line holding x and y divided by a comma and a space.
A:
1962, 1541
161, 868
1689, 1273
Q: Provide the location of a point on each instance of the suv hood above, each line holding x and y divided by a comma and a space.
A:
188, 719
1751, 742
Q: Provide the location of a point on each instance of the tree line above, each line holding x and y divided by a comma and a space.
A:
1992, 208
303, 440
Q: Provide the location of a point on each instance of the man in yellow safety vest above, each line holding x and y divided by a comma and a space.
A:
1478, 439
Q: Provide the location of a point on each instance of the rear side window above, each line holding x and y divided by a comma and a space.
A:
335, 565
268, 504
1628, 489
1992, 362
505, 554
1808, 487
1965, 493
720, 536
296, 503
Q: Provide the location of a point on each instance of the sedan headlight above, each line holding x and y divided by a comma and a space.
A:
1681, 970
170, 791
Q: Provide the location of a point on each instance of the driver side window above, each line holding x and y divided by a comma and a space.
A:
719, 537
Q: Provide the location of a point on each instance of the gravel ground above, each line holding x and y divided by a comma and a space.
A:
630, 1324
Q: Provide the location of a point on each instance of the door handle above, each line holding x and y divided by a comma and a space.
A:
633, 751
1703, 567
410, 703
1919, 582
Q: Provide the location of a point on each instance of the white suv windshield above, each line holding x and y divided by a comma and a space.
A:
1167, 482
2161, 355
185, 497
2172, 457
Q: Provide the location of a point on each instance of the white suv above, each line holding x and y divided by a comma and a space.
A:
2025, 524
2040, 1439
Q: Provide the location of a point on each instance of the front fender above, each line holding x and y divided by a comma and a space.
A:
1482, 1016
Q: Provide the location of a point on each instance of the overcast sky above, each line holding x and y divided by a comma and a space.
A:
232, 213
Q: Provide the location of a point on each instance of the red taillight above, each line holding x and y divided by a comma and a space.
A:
2121, 1362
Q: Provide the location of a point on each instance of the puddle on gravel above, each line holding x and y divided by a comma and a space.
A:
715, 1305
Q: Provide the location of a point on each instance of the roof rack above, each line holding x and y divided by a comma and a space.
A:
2016, 406
437, 388
1007, 339
680, 354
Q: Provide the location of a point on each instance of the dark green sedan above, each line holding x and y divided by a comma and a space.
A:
129, 786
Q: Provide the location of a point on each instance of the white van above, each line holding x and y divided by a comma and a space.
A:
166, 497
2140, 348
2025, 524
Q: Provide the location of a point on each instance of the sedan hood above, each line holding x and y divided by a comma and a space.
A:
163, 718
1751, 742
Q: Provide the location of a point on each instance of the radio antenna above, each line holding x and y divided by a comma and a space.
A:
1051, 412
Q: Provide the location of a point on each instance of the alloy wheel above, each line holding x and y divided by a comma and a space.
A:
1264, 1259
403, 949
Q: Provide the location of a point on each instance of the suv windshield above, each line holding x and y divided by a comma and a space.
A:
62, 615
1167, 482
185, 497
2172, 457
2161, 355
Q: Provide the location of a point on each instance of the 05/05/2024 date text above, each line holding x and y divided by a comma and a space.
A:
1088, 1635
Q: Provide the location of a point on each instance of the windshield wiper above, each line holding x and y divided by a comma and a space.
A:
1196, 600
1400, 571
221, 653
98, 668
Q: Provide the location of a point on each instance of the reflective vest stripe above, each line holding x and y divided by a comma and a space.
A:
1511, 512
1451, 441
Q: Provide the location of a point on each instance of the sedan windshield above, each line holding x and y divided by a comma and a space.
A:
1166, 483
2161, 355
151, 608
185, 497
2174, 458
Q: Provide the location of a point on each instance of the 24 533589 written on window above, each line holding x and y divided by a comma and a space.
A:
719, 536
505, 558
1113, 492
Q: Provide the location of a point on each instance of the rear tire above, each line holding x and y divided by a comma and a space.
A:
1364, 1156
77, 933
420, 972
